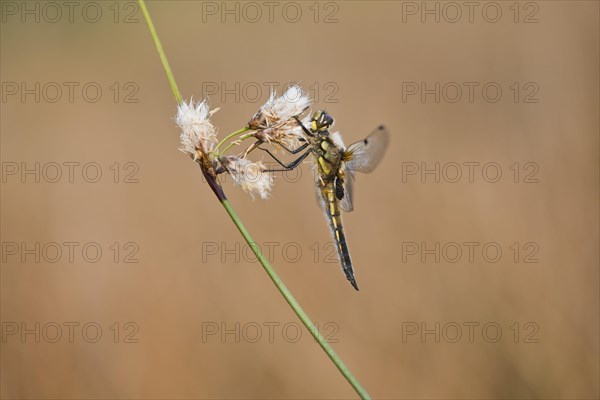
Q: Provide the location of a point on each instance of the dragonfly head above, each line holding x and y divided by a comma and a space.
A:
321, 122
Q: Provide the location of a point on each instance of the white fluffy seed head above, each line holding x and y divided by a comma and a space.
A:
279, 110
198, 135
275, 123
249, 175
288, 134
293, 102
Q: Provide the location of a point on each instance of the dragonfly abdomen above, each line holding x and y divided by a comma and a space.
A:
337, 230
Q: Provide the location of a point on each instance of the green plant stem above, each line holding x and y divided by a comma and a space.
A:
230, 136
285, 292
291, 300
230, 145
161, 53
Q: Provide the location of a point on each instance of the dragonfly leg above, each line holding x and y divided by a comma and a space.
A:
259, 142
296, 151
286, 167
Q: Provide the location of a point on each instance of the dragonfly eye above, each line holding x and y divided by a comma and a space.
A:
321, 121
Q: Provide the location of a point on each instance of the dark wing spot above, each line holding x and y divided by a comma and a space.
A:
366, 141
339, 189
381, 127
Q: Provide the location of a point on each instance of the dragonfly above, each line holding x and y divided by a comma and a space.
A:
335, 165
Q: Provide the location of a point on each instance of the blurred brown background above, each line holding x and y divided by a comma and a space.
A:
358, 59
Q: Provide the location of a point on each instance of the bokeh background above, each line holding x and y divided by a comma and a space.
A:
193, 279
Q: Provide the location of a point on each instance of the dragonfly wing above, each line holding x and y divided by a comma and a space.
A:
365, 155
346, 201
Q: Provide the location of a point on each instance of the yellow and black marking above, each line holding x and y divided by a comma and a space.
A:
321, 122
329, 158
330, 181
332, 210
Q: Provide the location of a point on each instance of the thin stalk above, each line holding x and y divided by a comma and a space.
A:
230, 145
291, 300
285, 292
161, 53
230, 136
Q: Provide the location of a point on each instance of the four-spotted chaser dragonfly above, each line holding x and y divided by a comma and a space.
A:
334, 166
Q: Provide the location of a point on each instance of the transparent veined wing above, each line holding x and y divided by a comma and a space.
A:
346, 201
365, 155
